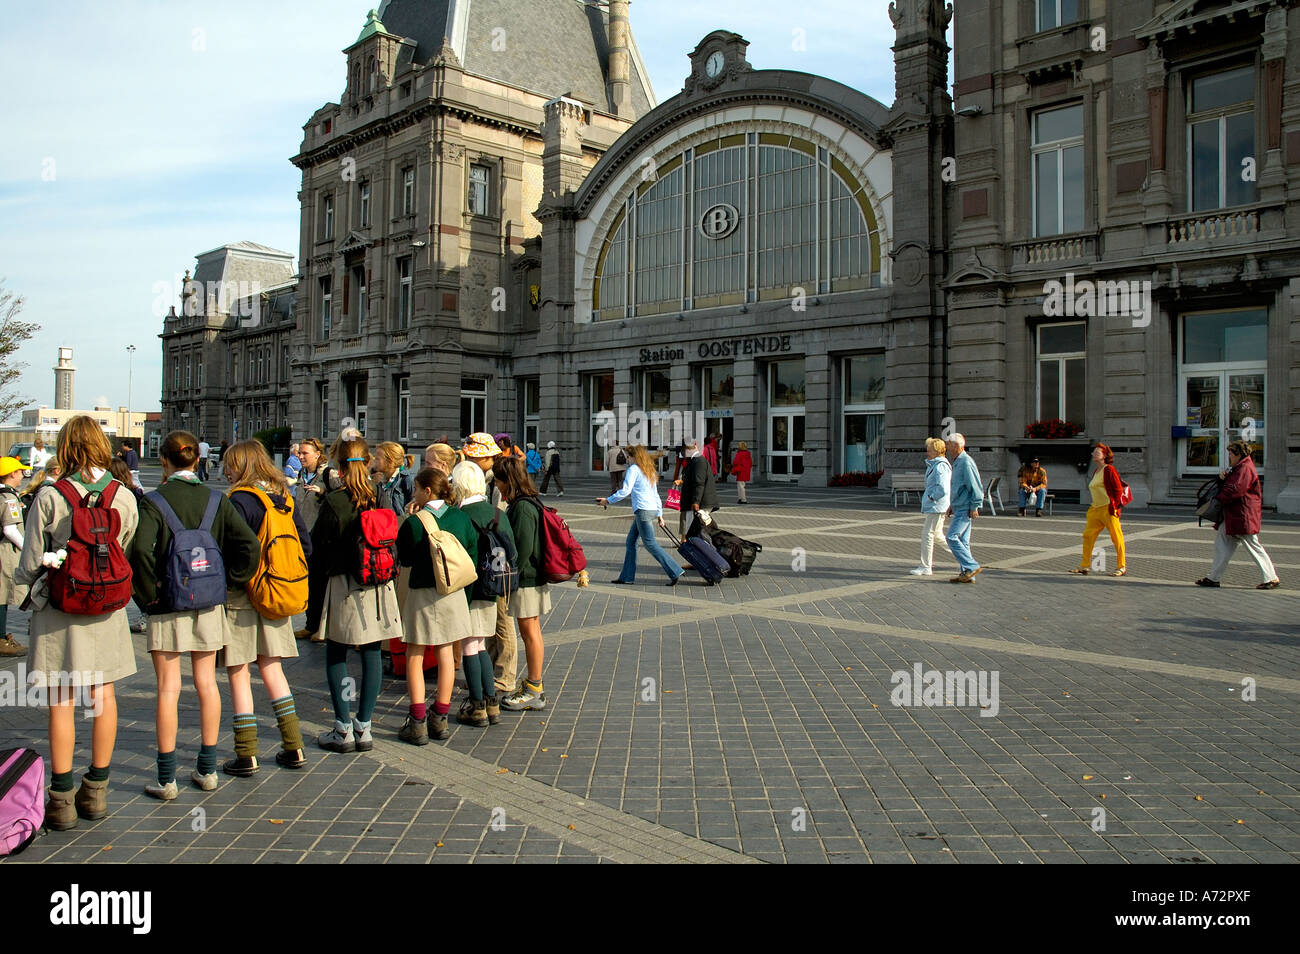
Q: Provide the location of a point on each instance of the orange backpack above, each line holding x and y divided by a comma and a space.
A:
278, 589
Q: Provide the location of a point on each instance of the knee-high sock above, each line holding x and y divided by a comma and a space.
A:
371, 676
336, 670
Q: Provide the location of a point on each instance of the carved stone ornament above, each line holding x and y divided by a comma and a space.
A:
451, 151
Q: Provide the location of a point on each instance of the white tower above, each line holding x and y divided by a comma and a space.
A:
64, 374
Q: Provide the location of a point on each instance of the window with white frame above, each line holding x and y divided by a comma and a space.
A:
323, 402
326, 307
1061, 383
198, 373
1058, 170
1221, 139
1055, 13
473, 405
327, 217
359, 284
408, 190
863, 379
478, 189
188, 379
403, 407
404, 293
364, 203
284, 364
176, 372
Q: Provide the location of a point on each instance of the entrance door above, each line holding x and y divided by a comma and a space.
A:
1222, 381
785, 440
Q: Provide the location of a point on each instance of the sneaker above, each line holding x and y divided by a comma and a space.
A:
414, 731
291, 760
920, 571
141, 625
241, 766
560, 494
338, 739
436, 725
493, 710
364, 740
11, 647
473, 712
164, 792
524, 698
206, 782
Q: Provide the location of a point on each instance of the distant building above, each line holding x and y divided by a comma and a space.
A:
45, 421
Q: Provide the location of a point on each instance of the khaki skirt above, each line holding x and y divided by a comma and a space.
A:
10, 592
432, 620
80, 650
359, 615
530, 601
194, 631
249, 634
483, 618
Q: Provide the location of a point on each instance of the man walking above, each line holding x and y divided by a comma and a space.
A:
204, 450
967, 495
699, 487
616, 464
551, 461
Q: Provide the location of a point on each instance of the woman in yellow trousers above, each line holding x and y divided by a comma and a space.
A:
1103, 514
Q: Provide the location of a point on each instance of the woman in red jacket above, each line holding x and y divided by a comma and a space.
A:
1241, 499
1105, 488
741, 466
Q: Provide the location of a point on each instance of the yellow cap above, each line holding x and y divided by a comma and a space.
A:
10, 464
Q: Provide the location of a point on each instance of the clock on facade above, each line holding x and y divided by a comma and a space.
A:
713, 65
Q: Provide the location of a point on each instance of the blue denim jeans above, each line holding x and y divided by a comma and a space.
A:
1038, 496
643, 526
959, 540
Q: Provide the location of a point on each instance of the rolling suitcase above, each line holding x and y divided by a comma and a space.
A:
699, 553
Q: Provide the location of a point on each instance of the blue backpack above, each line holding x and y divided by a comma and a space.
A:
193, 573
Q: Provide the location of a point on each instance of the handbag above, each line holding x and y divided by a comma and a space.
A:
1208, 505
674, 500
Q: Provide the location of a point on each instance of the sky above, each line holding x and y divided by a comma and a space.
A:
147, 132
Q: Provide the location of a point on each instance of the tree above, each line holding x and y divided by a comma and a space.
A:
12, 335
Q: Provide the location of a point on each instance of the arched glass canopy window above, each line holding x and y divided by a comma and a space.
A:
746, 217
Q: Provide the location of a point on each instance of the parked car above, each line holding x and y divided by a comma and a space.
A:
24, 453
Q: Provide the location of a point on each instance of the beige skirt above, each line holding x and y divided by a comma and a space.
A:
432, 620
10, 592
483, 618
194, 631
530, 601
357, 615
80, 650
249, 634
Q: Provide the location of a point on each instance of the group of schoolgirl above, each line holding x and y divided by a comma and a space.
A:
219, 577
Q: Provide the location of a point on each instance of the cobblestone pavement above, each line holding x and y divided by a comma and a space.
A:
752, 721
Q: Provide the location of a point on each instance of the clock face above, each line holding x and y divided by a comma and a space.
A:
713, 65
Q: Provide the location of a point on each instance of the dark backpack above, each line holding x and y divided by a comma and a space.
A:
194, 574
376, 560
620, 459
96, 577
498, 563
562, 557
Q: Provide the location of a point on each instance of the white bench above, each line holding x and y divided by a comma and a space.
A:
905, 484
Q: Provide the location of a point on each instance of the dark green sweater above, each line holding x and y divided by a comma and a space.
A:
413, 545
333, 547
240, 550
524, 522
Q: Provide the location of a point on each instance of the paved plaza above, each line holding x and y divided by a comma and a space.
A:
1133, 720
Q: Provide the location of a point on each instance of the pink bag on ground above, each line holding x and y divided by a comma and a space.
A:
22, 798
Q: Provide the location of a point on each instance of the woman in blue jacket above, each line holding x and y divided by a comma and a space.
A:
934, 502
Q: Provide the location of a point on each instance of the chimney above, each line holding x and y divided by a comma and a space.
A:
64, 373
620, 100
562, 129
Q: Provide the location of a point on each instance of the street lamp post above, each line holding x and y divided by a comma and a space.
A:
130, 369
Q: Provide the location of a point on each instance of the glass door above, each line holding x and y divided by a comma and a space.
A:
1222, 384
602, 424
785, 438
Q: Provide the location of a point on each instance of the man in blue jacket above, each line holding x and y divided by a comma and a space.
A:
967, 495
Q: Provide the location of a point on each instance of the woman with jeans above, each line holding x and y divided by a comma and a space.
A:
639, 483
1241, 499
934, 502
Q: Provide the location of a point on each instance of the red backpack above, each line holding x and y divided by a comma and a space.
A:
95, 578
376, 548
562, 556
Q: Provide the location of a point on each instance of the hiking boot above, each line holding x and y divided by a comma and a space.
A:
493, 709
11, 647
60, 812
241, 766
524, 698
414, 731
436, 726
338, 739
473, 712
207, 783
364, 740
963, 577
291, 760
92, 799
166, 792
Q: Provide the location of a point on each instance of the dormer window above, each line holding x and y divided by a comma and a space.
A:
372, 68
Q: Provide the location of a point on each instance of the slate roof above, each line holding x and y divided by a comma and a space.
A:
551, 47
245, 262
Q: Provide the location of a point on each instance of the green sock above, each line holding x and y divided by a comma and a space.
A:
207, 759
95, 774
486, 674
4, 620
473, 678
61, 782
245, 724
166, 767
286, 717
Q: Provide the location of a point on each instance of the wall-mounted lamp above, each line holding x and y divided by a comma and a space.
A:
417, 244
971, 111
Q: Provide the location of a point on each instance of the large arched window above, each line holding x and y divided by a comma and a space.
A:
745, 217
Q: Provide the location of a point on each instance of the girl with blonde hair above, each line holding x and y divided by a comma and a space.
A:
392, 487
934, 502
639, 482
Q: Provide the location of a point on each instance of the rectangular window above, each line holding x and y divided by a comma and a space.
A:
600, 397
478, 190
404, 293
1061, 383
787, 385
198, 373
1058, 170
863, 378
473, 405
360, 402
188, 379
532, 405
403, 407
359, 283
408, 190
1221, 139
1055, 13
364, 211
284, 365
327, 217
323, 401
326, 308
252, 366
